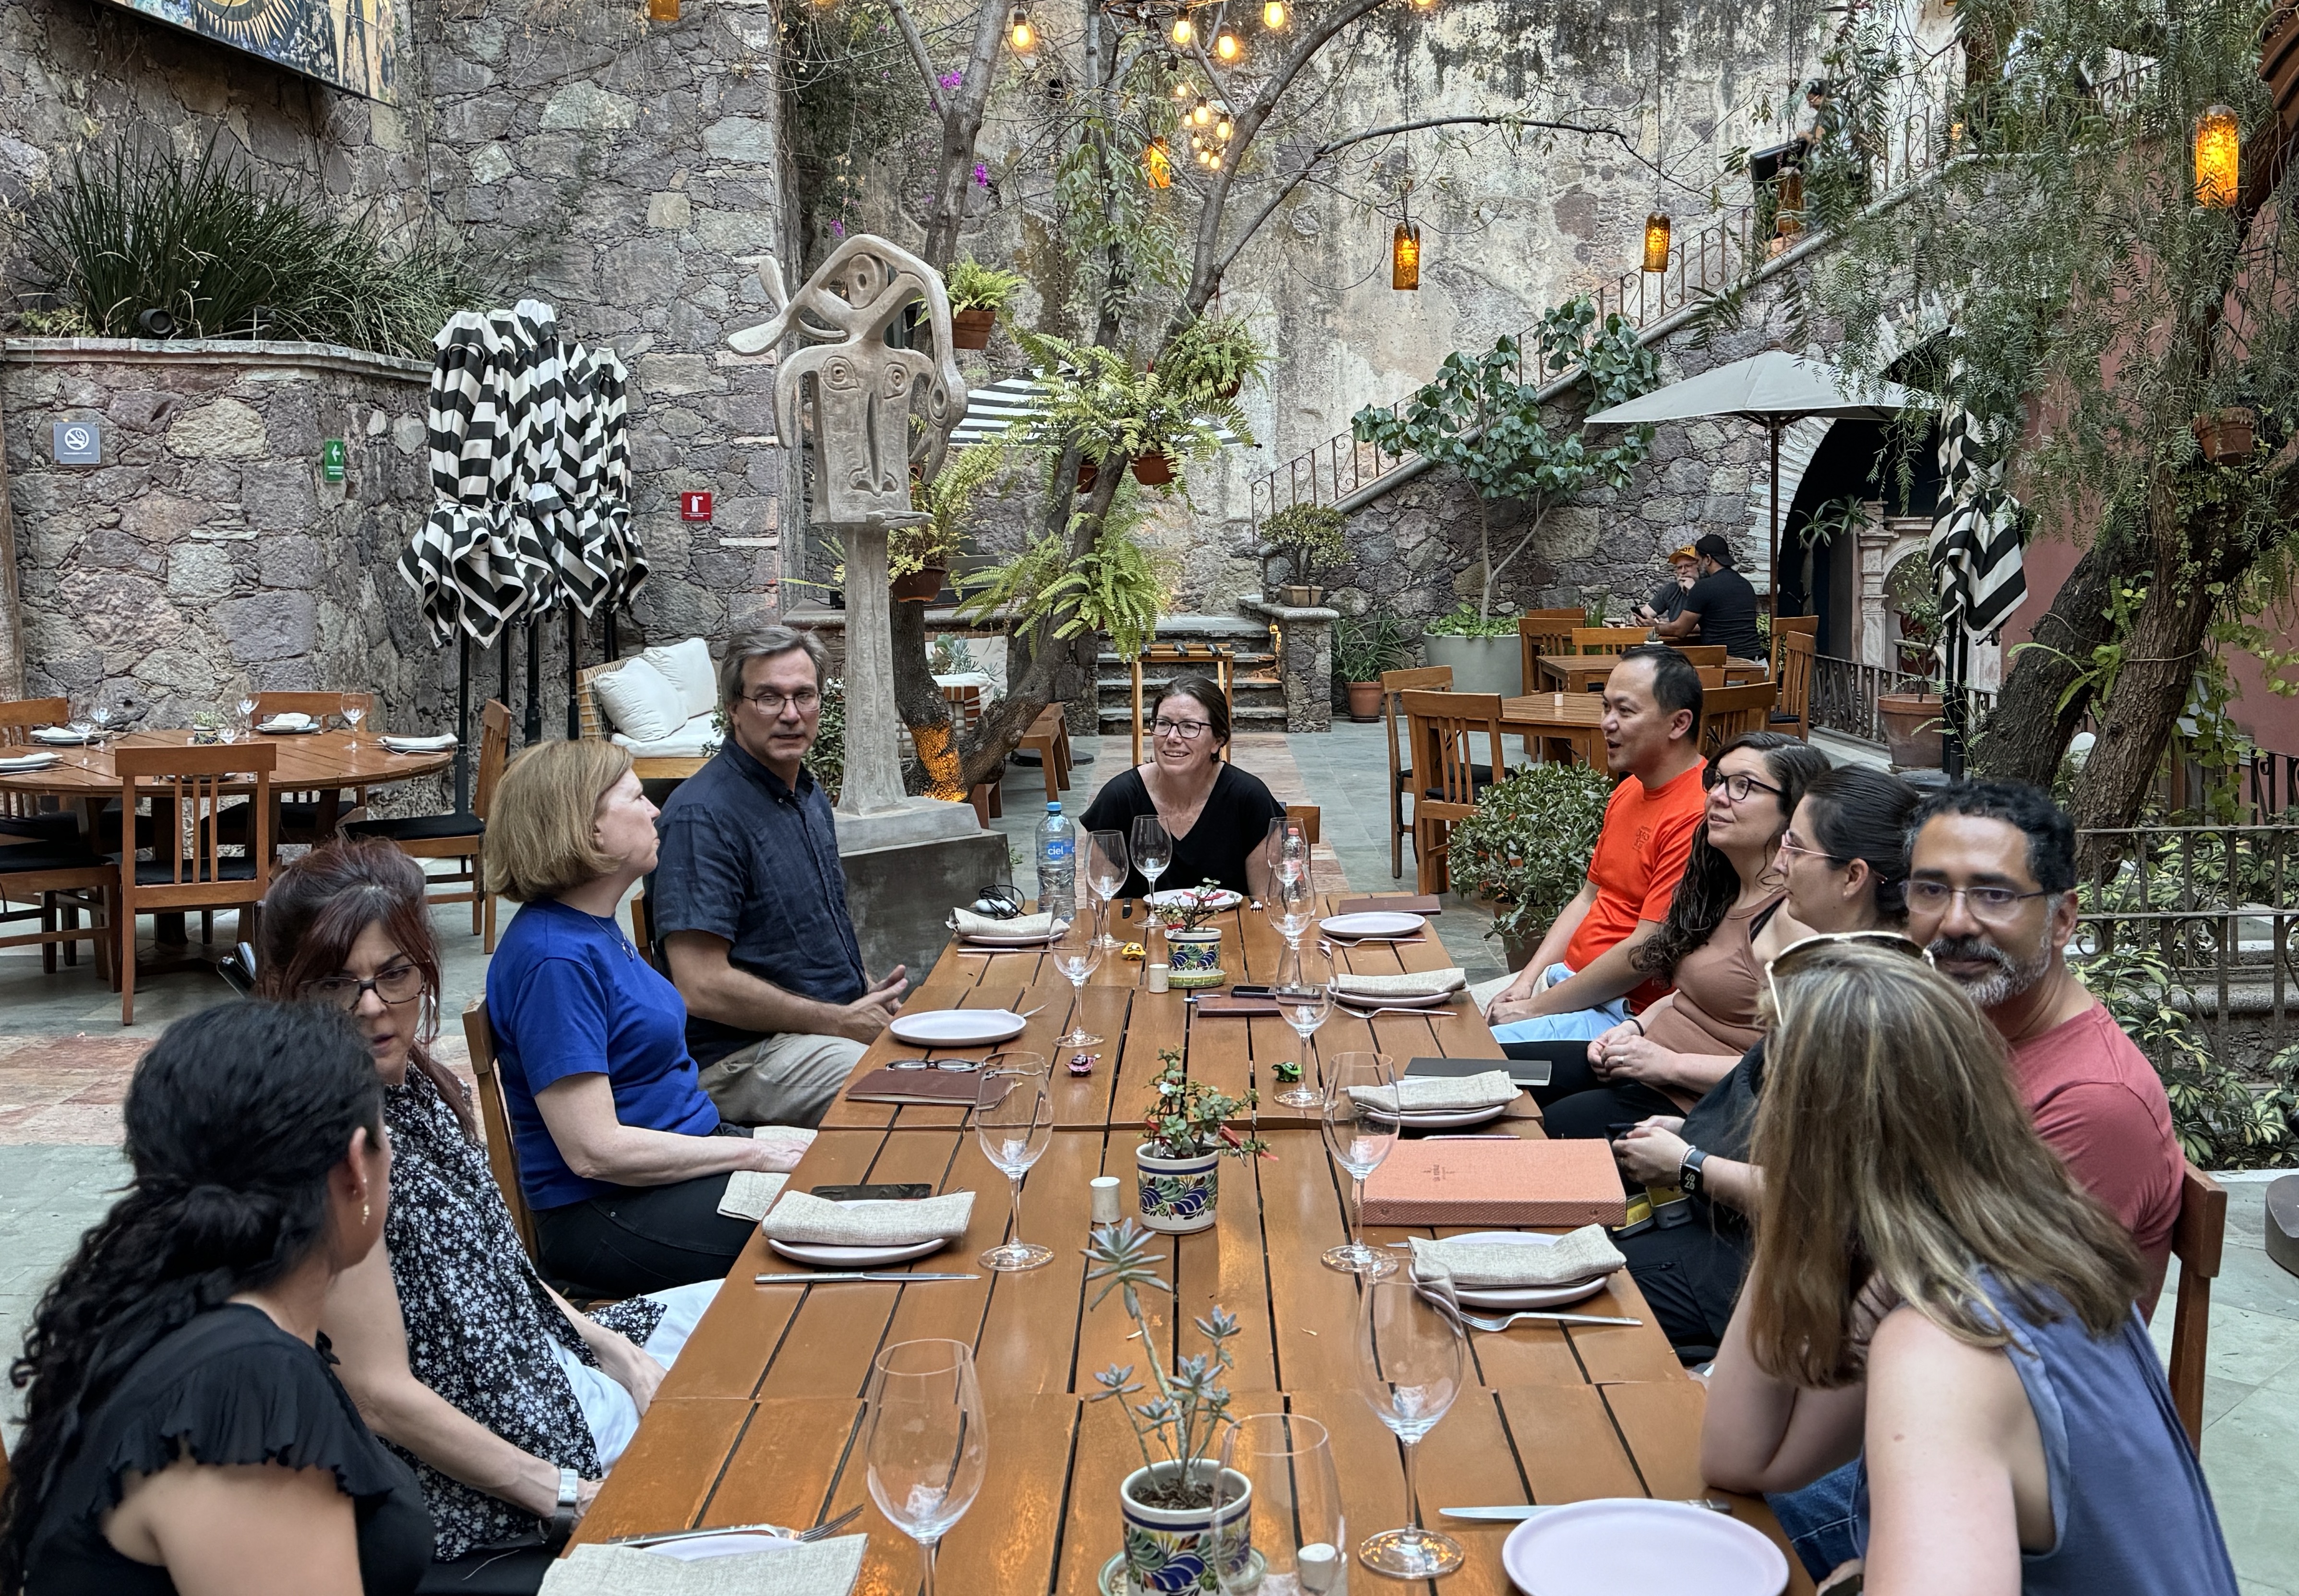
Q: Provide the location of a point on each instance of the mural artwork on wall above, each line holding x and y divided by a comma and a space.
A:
352, 44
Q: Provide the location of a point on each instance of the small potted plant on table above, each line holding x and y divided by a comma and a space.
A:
1364, 646
977, 294
1193, 947
1184, 1139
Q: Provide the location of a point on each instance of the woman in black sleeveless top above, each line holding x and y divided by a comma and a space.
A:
183, 1431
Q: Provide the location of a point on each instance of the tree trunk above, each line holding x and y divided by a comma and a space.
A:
918, 700
2025, 738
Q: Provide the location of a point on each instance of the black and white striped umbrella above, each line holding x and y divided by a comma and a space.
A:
1975, 543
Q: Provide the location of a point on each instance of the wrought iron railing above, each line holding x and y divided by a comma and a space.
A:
1844, 694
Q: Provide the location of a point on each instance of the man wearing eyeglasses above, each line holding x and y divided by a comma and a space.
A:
1991, 892
749, 899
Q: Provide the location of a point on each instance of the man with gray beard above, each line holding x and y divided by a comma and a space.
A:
1991, 892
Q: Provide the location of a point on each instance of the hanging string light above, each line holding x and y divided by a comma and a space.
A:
1020, 32
1183, 31
1156, 165
1656, 241
1201, 114
1228, 46
1221, 129
662, 11
2219, 157
1275, 16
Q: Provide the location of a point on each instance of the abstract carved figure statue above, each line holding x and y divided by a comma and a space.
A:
864, 390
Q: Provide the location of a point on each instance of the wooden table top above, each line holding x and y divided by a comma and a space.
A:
1585, 673
303, 761
761, 1418
1576, 711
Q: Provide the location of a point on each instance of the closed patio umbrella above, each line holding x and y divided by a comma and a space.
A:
1977, 564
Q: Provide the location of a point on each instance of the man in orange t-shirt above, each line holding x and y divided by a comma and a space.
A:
1576, 985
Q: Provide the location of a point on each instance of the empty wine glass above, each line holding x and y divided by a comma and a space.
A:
354, 712
1358, 1138
1153, 849
1013, 1116
100, 714
1412, 1361
82, 728
926, 1444
1294, 1525
1304, 991
1107, 865
1076, 947
246, 707
1288, 844
1292, 902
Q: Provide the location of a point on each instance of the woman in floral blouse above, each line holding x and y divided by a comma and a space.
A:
511, 1405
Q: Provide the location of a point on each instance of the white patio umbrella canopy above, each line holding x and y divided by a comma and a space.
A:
1775, 389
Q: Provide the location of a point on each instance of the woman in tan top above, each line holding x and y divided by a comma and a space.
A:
1726, 919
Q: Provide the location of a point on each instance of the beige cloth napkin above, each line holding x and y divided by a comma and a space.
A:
1438, 1094
817, 1568
439, 744
803, 1217
292, 720
1417, 983
971, 924
750, 1193
1501, 1266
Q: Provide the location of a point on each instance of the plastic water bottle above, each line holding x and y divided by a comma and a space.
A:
1056, 865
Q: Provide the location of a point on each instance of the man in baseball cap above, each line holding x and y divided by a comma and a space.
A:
1720, 607
1668, 599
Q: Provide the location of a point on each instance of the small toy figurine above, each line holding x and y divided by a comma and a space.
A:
1082, 1063
1131, 950
1288, 1073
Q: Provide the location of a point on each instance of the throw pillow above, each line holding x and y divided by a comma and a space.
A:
641, 700
688, 668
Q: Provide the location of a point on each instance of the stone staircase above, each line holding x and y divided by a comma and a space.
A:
1258, 695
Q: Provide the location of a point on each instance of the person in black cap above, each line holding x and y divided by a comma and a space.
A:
1721, 607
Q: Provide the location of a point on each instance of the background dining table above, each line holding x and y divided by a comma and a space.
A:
761, 1417
1586, 673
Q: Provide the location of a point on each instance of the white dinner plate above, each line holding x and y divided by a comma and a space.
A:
1511, 1299
1359, 1000
825, 1256
1627, 1543
28, 762
62, 737
1381, 924
1222, 899
268, 730
1445, 1119
956, 1028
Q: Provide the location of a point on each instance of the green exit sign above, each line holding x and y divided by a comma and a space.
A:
331, 460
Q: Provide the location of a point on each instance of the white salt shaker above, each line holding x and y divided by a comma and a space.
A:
1318, 1566
1158, 974
1105, 1199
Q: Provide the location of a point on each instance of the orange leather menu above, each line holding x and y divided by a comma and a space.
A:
1439, 1182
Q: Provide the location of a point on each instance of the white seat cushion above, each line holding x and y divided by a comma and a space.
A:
690, 741
640, 701
687, 666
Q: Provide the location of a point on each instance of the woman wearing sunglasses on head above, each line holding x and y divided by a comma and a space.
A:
1217, 815
1932, 1293
511, 1404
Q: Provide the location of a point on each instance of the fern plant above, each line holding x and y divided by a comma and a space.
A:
1097, 400
1213, 358
973, 287
1118, 587
944, 501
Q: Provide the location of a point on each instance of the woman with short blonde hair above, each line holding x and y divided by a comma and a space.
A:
622, 1157
1930, 1280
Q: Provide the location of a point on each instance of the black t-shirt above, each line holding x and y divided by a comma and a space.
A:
1666, 601
1727, 608
229, 1387
1228, 830
1723, 1123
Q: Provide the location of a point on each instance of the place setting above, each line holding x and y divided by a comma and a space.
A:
1409, 992
1441, 1103
1373, 925
995, 921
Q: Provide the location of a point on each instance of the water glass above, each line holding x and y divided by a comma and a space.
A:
1304, 992
1297, 1529
1106, 866
99, 714
1014, 1117
1412, 1361
925, 1442
1076, 948
1358, 1138
1288, 844
1153, 847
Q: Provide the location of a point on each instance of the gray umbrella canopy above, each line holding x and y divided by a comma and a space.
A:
1774, 390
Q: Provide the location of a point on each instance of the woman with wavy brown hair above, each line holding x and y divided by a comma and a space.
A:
1930, 1282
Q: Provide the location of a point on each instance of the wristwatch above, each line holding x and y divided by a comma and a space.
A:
1688, 1172
562, 1520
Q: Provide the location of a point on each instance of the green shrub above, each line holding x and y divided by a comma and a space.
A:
1527, 847
1466, 621
1309, 536
1367, 645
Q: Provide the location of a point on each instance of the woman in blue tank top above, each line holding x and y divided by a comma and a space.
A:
1932, 1293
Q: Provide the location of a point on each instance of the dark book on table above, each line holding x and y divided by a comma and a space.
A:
945, 1088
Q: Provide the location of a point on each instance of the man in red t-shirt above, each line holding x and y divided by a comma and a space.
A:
1991, 892
1576, 983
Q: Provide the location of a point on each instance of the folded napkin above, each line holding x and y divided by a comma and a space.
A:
750, 1193
421, 745
1416, 983
815, 1568
27, 761
1579, 1254
971, 924
803, 1217
1438, 1094
293, 720
61, 735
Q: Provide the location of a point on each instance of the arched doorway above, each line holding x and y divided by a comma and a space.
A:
1820, 566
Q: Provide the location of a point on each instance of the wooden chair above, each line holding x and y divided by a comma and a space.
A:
1703, 656
1221, 662
1793, 661
190, 869
1783, 626
2196, 1242
1711, 677
1544, 632
1309, 816
494, 1117
1049, 736
1428, 678
311, 817
1608, 640
1448, 781
461, 837
59, 878
21, 816
1730, 712
643, 934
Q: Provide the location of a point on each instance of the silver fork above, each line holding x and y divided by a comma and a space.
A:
822, 1531
1474, 1322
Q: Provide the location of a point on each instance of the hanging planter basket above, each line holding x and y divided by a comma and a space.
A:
2225, 436
919, 587
971, 329
1152, 470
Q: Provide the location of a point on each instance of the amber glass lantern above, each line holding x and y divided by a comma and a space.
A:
662, 11
1157, 165
1657, 242
2219, 157
1405, 256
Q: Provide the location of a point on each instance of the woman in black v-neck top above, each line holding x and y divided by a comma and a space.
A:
183, 1429
1217, 815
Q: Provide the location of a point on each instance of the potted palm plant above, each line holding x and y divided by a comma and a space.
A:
1184, 1139
977, 294
1364, 646
1310, 537
1527, 847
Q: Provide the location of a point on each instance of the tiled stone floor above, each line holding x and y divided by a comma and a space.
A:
64, 1061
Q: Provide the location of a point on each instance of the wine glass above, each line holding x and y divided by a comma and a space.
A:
1106, 866
1411, 1361
1292, 902
354, 712
1358, 1138
80, 726
246, 707
1013, 1116
1295, 1523
1076, 947
1153, 849
1288, 844
1304, 991
925, 1442
100, 714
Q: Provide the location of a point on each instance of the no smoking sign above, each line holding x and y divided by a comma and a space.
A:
79, 444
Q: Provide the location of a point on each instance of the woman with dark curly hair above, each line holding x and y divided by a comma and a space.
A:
184, 1432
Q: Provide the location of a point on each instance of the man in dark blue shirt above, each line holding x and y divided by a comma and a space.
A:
748, 900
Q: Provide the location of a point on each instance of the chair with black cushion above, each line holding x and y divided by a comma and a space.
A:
20, 814
59, 878
190, 868
1427, 678
461, 836
1444, 727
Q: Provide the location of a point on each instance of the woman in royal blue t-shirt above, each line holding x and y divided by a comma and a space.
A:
622, 1157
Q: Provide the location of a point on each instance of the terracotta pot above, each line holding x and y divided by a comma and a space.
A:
919, 587
1153, 470
1233, 390
1088, 474
971, 329
2224, 435
1365, 701
1517, 951
1304, 595
1913, 729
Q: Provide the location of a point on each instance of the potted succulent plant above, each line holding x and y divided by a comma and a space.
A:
1184, 1139
1482, 650
1213, 356
1310, 537
977, 294
1364, 646
1193, 947
1527, 847
1175, 1541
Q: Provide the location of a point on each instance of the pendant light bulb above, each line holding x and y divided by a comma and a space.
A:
1201, 114
1020, 33
1228, 46
1183, 31
1222, 129
1275, 16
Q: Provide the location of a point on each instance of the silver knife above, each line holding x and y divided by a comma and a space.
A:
795, 1278
1516, 1514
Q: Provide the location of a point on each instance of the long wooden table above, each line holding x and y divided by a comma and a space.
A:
1586, 673
761, 1418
